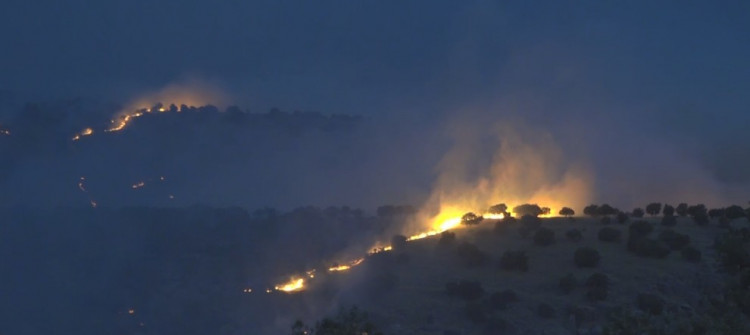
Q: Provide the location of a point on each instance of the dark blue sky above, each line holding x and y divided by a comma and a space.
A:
367, 55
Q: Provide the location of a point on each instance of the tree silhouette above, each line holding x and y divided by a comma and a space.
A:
591, 210
653, 208
471, 219
567, 212
498, 209
682, 209
528, 209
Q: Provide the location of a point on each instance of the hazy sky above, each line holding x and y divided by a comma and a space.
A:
662, 80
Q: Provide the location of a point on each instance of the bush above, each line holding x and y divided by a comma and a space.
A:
500, 300
640, 228
545, 311
568, 283
734, 251
596, 294
647, 247
608, 234
514, 260
475, 312
650, 303
544, 237
605, 220
674, 240
470, 255
598, 280
586, 257
465, 289
574, 235
638, 213
701, 219
691, 254
669, 221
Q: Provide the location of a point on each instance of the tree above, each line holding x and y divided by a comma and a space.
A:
606, 210
471, 219
697, 210
682, 209
567, 212
734, 212
715, 213
498, 209
668, 210
528, 209
653, 208
638, 213
546, 211
591, 210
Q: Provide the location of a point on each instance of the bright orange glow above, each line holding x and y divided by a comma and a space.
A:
347, 266
85, 132
294, 285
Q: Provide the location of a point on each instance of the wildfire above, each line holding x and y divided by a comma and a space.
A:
294, 285
138, 185
348, 266
85, 132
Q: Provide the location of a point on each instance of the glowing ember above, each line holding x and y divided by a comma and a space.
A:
138, 185
85, 132
5, 132
131, 311
293, 285
346, 266
248, 290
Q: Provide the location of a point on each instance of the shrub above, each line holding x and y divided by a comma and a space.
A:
647, 247
598, 280
568, 283
574, 235
701, 219
470, 254
447, 238
640, 228
669, 221
650, 303
586, 257
608, 234
544, 237
475, 312
734, 254
514, 260
508, 220
465, 289
596, 294
691, 254
674, 240
500, 300
605, 220
638, 213
545, 311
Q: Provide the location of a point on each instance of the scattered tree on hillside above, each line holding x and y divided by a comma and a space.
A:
471, 219
682, 209
606, 210
498, 209
567, 212
715, 213
391, 211
546, 211
638, 213
622, 217
653, 208
668, 210
527, 209
734, 212
591, 210
696, 210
